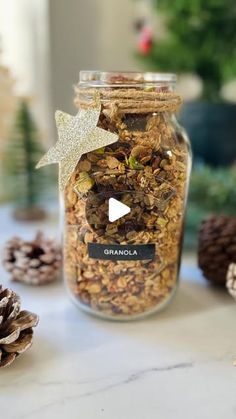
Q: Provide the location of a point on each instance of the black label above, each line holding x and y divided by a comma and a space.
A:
121, 252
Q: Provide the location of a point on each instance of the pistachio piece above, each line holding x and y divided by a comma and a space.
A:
133, 163
100, 150
84, 183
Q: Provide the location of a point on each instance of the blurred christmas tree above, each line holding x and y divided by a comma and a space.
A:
26, 184
200, 39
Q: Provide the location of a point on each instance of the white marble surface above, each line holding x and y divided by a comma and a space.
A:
174, 365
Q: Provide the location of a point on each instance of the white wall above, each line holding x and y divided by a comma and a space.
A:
47, 42
25, 49
91, 34
16, 34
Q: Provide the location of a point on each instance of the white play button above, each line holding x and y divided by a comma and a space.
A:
116, 209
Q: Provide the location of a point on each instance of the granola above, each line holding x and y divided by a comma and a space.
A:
147, 169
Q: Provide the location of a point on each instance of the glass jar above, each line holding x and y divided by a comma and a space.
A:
125, 203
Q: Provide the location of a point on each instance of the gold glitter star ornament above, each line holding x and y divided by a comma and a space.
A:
77, 135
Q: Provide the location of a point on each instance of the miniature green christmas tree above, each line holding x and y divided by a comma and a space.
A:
23, 151
201, 39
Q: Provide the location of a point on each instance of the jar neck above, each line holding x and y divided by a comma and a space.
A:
157, 82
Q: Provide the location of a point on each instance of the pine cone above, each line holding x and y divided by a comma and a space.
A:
217, 247
36, 262
231, 279
16, 332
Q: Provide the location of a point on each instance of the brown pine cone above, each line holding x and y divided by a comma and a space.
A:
34, 262
16, 332
231, 280
217, 247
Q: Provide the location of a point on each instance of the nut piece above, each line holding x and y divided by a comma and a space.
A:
84, 165
84, 183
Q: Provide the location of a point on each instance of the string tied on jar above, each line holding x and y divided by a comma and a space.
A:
129, 100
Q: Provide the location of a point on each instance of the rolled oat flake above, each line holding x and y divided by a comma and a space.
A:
126, 268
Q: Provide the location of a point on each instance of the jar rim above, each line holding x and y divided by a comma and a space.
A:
124, 78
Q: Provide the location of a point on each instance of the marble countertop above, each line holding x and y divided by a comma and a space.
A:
177, 364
